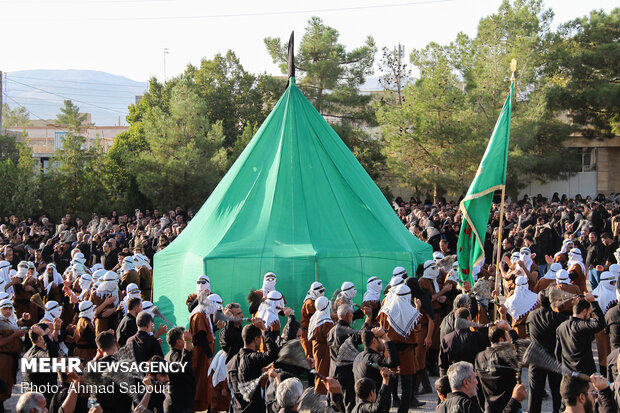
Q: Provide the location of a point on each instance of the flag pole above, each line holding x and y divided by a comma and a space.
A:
498, 273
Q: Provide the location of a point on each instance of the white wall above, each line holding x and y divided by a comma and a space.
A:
584, 183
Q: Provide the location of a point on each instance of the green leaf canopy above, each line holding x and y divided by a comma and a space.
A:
296, 202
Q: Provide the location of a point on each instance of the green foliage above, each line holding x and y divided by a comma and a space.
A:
330, 76
9, 148
435, 139
583, 63
71, 117
187, 158
18, 192
12, 118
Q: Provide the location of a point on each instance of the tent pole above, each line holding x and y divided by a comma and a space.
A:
498, 273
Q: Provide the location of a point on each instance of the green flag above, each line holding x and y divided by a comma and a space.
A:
476, 205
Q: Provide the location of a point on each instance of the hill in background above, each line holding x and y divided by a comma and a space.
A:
42, 92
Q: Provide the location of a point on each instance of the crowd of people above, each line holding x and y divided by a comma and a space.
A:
76, 289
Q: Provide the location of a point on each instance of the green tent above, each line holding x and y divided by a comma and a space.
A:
296, 203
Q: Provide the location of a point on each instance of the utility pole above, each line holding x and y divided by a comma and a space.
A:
166, 51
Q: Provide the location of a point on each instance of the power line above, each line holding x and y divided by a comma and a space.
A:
248, 14
65, 97
26, 98
29, 111
75, 81
128, 95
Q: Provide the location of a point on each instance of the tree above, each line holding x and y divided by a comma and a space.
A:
395, 74
71, 117
187, 158
330, 76
18, 192
449, 114
13, 118
583, 64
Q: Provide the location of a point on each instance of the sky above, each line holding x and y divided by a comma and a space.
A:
128, 37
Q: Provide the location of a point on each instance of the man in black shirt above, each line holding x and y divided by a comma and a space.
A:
128, 326
541, 326
370, 400
462, 344
182, 384
247, 365
42, 347
368, 362
462, 399
496, 372
343, 372
230, 336
574, 336
144, 344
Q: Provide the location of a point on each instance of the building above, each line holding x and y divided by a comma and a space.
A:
44, 137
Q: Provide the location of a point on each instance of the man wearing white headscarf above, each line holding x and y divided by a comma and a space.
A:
372, 296
203, 283
201, 328
143, 266
270, 309
561, 256
389, 295
84, 335
318, 329
529, 267
307, 309
400, 318
52, 283
398, 272
106, 299
549, 278
24, 290
520, 303
577, 269
128, 272
605, 293
11, 347
257, 296
562, 282
131, 291
84, 282
5, 269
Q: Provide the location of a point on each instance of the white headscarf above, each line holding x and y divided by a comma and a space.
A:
52, 310
438, 256
617, 255
615, 270
56, 277
526, 256
394, 282
203, 283
348, 290
87, 310
562, 277
96, 267
522, 301
400, 272
574, 257
269, 283
321, 316
5, 276
216, 300
127, 264
431, 272
10, 321
97, 274
142, 261
22, 269
565, 244
374, 286
218, 367
553, 269
606, 291
515, 257
269, 309
453, 275
401, 315
85, 282
109, 286
205, 305
316, 290
148, 307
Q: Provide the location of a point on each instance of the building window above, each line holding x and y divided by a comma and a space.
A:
59, 138
588, 159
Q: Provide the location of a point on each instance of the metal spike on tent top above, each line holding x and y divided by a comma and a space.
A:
291, 56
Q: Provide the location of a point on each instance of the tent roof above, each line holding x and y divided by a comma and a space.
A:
295, 192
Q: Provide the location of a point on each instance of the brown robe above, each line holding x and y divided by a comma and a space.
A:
542, 284
428, 285
146, 283
23, 304
421, 331
603, 347
220, 395
320, 354
580, 281
307, 309
129, 277
84, 338
200, 362
103, 323
567, 306
9, 357
408, 363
